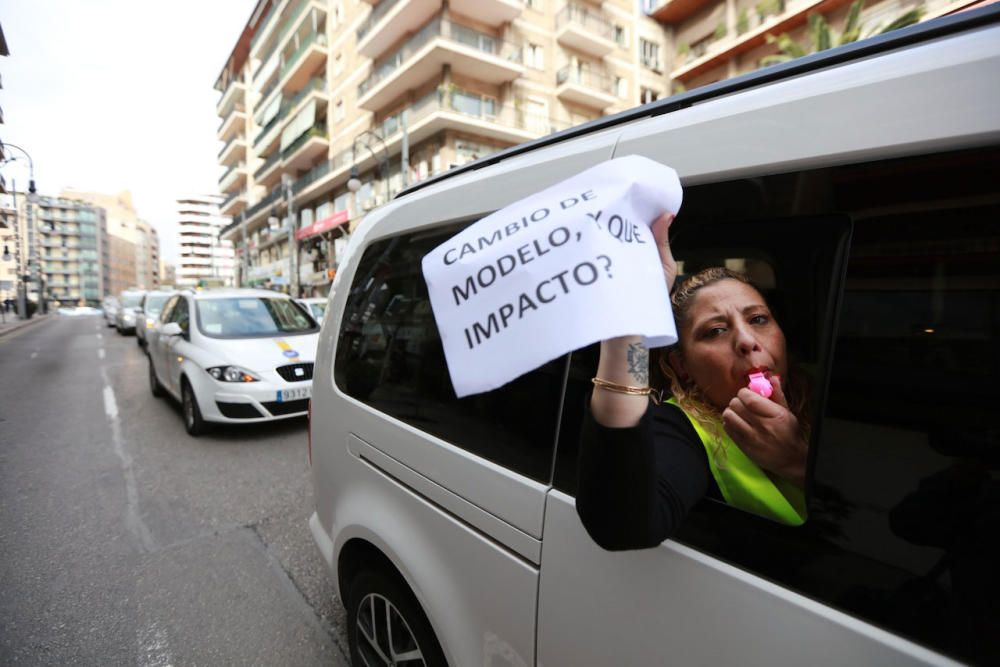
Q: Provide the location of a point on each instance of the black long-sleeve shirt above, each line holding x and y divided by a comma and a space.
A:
637, 484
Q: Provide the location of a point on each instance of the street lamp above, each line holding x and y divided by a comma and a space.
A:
366, 137
22, 287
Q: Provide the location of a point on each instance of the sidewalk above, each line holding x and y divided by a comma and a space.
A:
13, 324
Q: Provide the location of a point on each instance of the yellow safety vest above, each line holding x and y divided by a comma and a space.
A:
744, 484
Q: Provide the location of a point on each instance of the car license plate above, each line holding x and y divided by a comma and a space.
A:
294, 394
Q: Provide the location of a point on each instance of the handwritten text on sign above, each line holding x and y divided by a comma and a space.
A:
554, 272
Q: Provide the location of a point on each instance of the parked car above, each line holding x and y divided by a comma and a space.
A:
110, 307
315, 306
128, 311
148, 313
233, 356
857, 187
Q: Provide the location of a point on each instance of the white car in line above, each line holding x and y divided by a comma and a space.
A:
233, 356
316, 307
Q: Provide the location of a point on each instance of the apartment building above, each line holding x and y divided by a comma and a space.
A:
133, 244
399, 91
203, 257
8, 248
69, 244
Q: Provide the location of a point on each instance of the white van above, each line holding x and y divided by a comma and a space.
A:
859, 189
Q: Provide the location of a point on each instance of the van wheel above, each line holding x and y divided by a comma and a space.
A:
386, 626
154, 384
193, 423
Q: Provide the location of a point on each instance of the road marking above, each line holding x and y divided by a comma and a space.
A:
154, 649
133, 518
100, 336
100, 353
34, 354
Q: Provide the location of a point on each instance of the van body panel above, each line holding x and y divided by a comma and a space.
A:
455, 572
680, 602
479, 519
799, 123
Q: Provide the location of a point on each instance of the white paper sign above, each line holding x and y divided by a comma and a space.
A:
554, 272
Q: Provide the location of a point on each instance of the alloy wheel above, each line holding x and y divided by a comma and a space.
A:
383, 636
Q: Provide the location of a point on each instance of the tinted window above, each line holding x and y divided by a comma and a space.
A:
168, 309
389, 355
180, 314
249, 317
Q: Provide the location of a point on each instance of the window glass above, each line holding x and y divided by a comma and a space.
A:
249, 317
179, 314
389, 356
904, 498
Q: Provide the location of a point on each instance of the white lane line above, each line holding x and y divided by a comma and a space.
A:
133, 518
34, 354
100, 336
100, 353
154, 649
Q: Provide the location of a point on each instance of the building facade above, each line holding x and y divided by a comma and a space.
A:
401, 90
67, 247
203, 258
133, 244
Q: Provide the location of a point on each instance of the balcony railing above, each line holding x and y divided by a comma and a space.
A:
268, 163
439, 28
315, 83
265, 94
228, 144
314, 131
231, 198
314, 38
289, 23
264, 203
379, 11
263, 24
586, 18
270, 124
585, 77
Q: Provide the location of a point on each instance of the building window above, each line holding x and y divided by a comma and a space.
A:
649, 54
538, 5
338, 112
534, 56
621, 37
648, 95
621, 87
338, 65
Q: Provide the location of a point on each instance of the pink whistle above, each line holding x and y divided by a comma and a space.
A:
760, 384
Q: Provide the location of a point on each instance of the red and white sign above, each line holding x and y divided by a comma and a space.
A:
320, 226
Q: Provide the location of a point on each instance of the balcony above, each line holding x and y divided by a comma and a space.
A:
268, 173
232, 98
234, 203
304, 150
265, 28
234, 176
585, 87
234, 150
711, 53
390, 21
470, 53
233, 124
490, 12
585, 30
675, 11
307, 58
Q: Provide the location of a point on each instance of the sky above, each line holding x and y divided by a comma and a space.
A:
112, 95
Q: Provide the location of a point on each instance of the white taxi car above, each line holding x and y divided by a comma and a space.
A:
233, 355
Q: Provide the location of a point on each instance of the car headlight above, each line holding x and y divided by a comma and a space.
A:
232, 374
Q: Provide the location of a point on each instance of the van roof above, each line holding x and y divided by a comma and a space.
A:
921, 32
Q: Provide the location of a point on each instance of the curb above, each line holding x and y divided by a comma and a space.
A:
23, 324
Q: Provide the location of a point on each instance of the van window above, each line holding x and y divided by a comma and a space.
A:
389, 356
904, 497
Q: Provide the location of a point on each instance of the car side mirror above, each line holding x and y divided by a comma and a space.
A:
171, 329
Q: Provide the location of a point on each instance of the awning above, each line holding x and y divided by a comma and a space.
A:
320, 226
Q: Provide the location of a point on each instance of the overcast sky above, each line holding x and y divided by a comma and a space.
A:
111, 95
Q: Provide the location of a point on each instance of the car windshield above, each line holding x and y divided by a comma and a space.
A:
154, 303
317, 310
248, 317
131, 300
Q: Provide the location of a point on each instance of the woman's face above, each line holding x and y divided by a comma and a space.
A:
729, 332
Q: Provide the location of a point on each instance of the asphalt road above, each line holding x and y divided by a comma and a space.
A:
126, 542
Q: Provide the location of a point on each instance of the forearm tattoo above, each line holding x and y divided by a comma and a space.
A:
638, 363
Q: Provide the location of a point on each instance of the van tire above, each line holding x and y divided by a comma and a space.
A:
369, 592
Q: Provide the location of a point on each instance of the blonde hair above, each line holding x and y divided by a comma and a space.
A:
687, 394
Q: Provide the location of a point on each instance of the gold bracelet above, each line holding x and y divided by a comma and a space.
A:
622, 388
